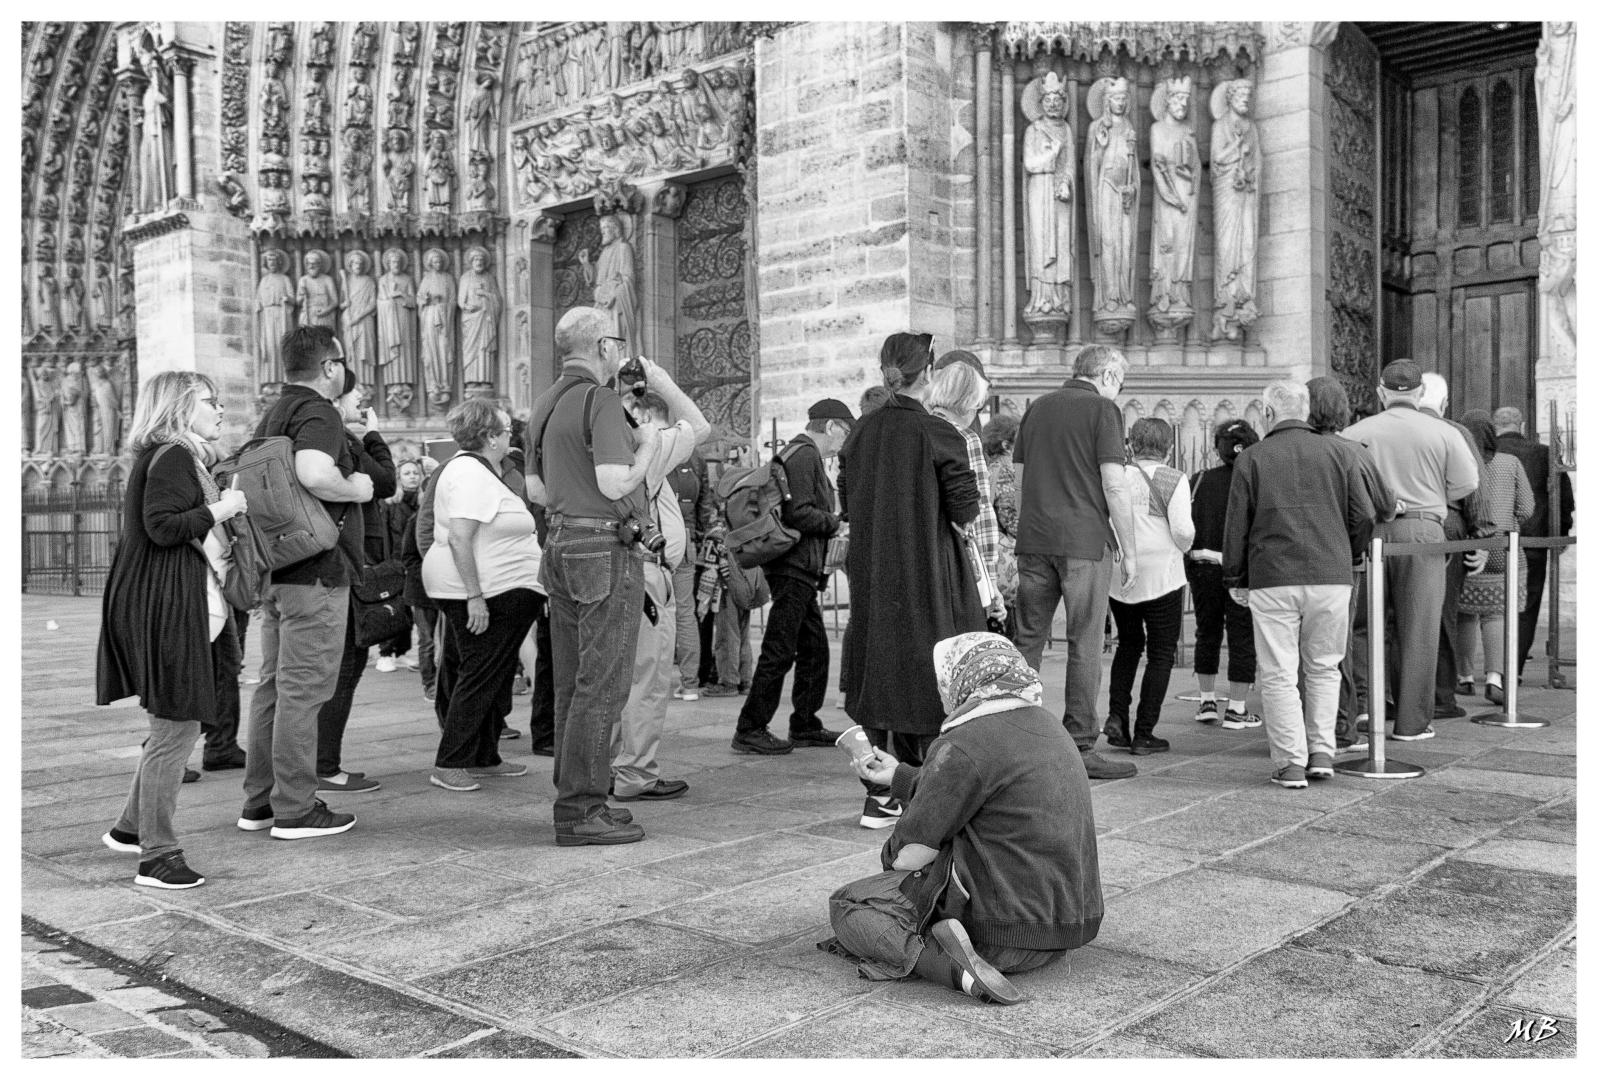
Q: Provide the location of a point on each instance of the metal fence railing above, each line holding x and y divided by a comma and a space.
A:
68, 537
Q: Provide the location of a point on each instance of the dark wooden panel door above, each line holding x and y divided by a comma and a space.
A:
1494, 345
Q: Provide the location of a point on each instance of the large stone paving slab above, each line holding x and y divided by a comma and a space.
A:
748, 860
773, 908
436, 889
1554, 824
879, 1030
1549, 987
1539, 855
1511, 1035
1129, 865
1348, 863
1433, 815
1528, 761
1221, 825
1512, 887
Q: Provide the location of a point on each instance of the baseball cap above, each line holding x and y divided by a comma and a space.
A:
830, 409
1401, 375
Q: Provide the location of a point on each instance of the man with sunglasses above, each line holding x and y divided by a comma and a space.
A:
305, 608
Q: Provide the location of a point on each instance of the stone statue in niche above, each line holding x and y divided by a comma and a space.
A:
315, 196
1175, 166
479, 191
1234, 189
107, 394
155, 141
74, 411
481, 114
46, 387
49, 317
436, 300
363, 43
399, 169
72, 307
275, 207
396, 326
481, 305
317, 295
357, 170
1048, 159
615, 279
27, 413
401, 102
358, 101
275, 304
104, 297
522, 90
1556, 126
360, 315
321, 46
313, 117
274, 104
440, 173
1113, 189
410, 41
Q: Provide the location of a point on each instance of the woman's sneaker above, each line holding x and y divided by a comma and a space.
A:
453, 780
1208, 712
125, 842
1290, 776
1237, 721
319, 822
167, 871
256, 818
880, 812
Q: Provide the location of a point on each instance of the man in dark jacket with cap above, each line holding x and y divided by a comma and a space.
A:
795, 635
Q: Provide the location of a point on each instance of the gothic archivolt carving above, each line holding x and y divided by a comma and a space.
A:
1144, 42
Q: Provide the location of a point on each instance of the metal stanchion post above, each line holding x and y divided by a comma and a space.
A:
1376, 766
1511, 717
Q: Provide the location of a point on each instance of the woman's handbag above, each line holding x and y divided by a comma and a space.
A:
378, 599
986, 589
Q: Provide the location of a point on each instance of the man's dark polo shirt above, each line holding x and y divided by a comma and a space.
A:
1064, 437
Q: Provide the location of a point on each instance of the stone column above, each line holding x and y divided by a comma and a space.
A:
1007, 113
984, 189
541, 303
182, 128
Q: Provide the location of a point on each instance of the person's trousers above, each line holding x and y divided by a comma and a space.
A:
1299, 630
1352, 671
153, 799
686, 636
398, 645
1216, 614
1487, 632
227, 661
735, 661
873, 920
1450, 653
596, 593
302, 642
1415, 585
1536, 581
907, 746
474, 679
1084, 585
796, 637
636, 738
334, 716
1156, 624
425, 619
541, 724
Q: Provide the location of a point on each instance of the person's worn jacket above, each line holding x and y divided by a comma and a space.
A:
690, 482
810, 510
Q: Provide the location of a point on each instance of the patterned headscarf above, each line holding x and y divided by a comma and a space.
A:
980, 674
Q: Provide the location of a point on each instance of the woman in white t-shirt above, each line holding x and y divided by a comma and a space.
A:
482, 572
1150, 611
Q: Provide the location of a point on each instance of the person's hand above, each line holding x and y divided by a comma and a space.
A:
997, 610
231, 504
356, 427
1475, 562
654, 374
371, 419
1239, 596
878, 768
1128, 569
648, 438
363, 487
476, 614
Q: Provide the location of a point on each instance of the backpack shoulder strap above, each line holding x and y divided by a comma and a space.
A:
538, 443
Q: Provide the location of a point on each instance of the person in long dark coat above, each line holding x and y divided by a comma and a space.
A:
166, 631
906, 482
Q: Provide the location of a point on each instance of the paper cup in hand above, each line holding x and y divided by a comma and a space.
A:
856, 745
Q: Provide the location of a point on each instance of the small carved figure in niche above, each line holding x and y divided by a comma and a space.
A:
523, 281
410, 40
358, 102
155, 142
27, 398
521, 160
272, 156
234, 198
444, 83
107, 396
614, 280
313, 119
49, 289
669, 200
401, 102
274, 104
74, 249
614, 43
399, 170
360, 315
46, 387
279, 42
1114, 185
709, 134
1234, 188
396, 320
363, 43
1048, 158
315, 195
480, 304
446, 53
645, 40
440, 173
1174, 164
480, 193
321, 46
490, 51
526, 84
315, 151
72, 307
481, 115
49, 208
104, 297
357, 169
275, 196
74, 411
435, 299
318, 294
275, 303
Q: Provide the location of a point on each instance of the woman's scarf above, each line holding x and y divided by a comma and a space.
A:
980, 674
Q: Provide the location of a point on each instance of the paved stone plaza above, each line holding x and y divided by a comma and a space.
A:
1358, 918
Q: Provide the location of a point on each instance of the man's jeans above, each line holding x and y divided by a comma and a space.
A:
1084, 585
334, 716
596, 594
636, 739
687, 633
796, 637
474, 680
1299, 629
1354, 669
735, 663
154, 796
1415, 586
227, 660
1449, 652
426, 619
302, 642
1536, 582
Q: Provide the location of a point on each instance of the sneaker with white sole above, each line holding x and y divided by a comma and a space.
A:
686, 693
504, 768
880, 812
1208, 712
1235, 721
1320, 767
345, 783
386, 663
117, 840
411, 662
320, 821
453, 780
1290, 776
1429, 733
256, 818
167, 871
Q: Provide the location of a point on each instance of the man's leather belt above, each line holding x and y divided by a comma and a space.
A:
557, 520
1422, 515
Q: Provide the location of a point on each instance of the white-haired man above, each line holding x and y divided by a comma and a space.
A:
1297, 512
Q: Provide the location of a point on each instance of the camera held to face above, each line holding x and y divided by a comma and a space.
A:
631, 374
643, 532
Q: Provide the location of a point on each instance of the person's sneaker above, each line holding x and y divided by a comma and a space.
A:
602, 828
191, 775
256, 818
1450, 712
167, 871
429, 694
1465, 687
249, 680
1429, 733
1320, 767
880, 812
509, 733
1208, 713
453, 780
345, 783
411, 662
1290, 776
1149, 744
743, 687
950, 959
543, 749
386, 663
814, 737
1115, 732
504, 768
760, 741
520, 686
720, 690
659, 791
686, 693
319, 822
231, 759
1361, 742
125, 842
1101, 768
1238, 721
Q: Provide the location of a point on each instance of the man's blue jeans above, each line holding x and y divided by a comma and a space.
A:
1084, 585
596, 595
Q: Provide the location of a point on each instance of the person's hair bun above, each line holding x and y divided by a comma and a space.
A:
892, 378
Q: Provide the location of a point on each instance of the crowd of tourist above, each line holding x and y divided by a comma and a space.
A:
587, 557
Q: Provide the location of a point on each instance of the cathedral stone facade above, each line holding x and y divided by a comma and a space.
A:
758, 204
